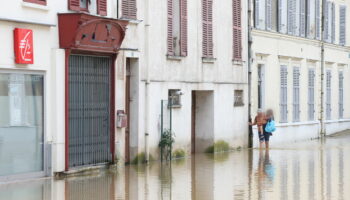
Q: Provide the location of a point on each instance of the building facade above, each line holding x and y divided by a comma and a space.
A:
85, 83
194, 53
308, 98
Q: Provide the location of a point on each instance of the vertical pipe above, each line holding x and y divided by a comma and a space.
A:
148, 104
250, 42
67, 110
322, 113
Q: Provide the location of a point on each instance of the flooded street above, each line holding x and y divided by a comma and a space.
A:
307, 170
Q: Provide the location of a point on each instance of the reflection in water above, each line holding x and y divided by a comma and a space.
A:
310, 170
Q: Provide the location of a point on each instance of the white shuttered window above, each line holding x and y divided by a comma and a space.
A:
341, 95
328, 94
282, 16
296, 94
311, 95
284, 94
342, 25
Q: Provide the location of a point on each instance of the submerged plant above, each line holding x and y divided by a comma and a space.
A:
219, 146
166, 143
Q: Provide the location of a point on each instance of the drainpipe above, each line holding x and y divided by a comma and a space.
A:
147, 104
322, 109
250, 60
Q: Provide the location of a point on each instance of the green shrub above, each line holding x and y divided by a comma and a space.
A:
179, 153
219, 146
141, 158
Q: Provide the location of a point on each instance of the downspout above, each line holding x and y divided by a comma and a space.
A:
250, 60
322, 113
146, 57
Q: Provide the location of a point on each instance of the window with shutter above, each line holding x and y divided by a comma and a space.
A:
327, 21
237, 30
296, 94
260, 14
207, 18
282, 16
74, 5
333, 22
311, 19
341, 95
268, 14
311, 95
129, 9
318, 19
177, 28
102, 7
301, 22
291, 17
342, 25
284, 94
328, 94
41, 2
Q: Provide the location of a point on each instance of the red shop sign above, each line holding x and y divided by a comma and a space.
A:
24, 52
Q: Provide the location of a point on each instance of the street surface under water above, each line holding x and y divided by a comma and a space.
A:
305, 170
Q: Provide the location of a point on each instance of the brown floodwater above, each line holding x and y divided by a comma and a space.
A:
305, 170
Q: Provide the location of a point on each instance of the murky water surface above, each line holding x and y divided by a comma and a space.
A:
308, 170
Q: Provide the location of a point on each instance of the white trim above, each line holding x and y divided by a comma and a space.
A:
337, 121
35, 6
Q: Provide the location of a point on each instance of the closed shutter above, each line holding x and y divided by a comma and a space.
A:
296, 94
282, 16
207, 18
256, 12
328, 95
183, 28
268, 14
333, 22
291, 17
308, 18
170, 40
341, 95
74, 5
129, 9
303, 18
326, 23
342, 25
311, 95
102, 7
237, 30
284, 94
318, 19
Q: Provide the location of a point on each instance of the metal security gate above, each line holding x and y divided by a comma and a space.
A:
89, 110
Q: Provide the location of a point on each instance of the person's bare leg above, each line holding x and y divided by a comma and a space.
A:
267, 145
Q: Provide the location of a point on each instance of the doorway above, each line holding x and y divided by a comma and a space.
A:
90, 98
202, 120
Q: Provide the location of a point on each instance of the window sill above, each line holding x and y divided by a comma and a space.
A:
237, 62
131, 21
175, 106
208, 60
35, 6
239, 105
175, 58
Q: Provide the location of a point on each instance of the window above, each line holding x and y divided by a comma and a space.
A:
342, 25
341, 95
207, 32
83, 5
260, 15
21, 123
311, 95
296, 94
271, 15
177, 28
328, 94
129, 9
329, 28
282, 16
261, 87
284, 94
237, 30
311, 16
42, 2
174, 98
239, 98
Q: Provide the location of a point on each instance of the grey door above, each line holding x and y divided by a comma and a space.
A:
89, 110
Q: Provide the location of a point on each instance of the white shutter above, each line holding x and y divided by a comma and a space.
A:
291, 17
256, 12
311, 95
342, 25
318, 19
341, 95
268, 12
333, 22
326, 24
328, 94
302, 19
284, 94
308, 19
296, 94
282, 16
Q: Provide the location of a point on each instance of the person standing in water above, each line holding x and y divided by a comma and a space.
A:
260, 120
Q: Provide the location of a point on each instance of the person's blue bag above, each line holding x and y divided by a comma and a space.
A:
270, 126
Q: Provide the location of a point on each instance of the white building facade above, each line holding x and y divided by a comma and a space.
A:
287, 72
